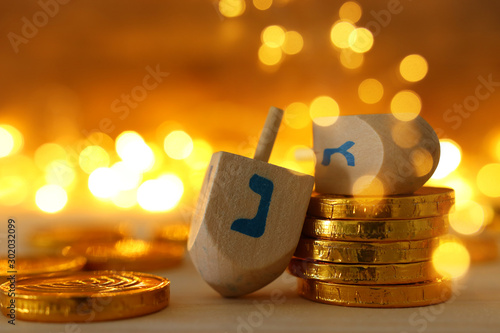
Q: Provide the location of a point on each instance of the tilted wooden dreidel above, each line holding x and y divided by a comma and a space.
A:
249, 217
374, 154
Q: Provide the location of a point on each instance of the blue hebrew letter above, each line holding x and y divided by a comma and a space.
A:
256, 226
342, 150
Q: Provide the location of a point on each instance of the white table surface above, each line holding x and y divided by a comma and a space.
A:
196, 307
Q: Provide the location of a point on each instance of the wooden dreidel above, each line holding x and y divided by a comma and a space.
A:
249, 217
373, 154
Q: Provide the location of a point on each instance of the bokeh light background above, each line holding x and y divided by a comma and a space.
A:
86, 129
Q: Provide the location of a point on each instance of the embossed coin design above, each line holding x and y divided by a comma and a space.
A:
87, 296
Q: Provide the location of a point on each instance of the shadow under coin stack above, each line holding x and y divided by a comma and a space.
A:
373, 251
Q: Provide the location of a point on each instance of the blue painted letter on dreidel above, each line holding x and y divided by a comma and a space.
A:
342, 150
255, 227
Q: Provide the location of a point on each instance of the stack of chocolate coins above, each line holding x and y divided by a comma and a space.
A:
373, 251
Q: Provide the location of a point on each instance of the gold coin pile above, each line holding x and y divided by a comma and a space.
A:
55, 238
27, 266
109, 247
50, 288
373, 251
128, 254
174, 232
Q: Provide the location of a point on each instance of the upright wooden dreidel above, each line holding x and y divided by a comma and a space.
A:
249, 217
374, 154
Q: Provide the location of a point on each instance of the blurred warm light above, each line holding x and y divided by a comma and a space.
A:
165, 128
467, 218
51, 198
13, 190
270, 56
293, 43
132, 247
413, 68
488, 180
489, 214
103, 183
6, 142
159, 156
303, 157
132, 149
370, 91
102, 140
303, 153
340, 32
273, 36
422, 161
201, 155
11, 140
451, 259
127, 178
178, 232
463, 191
232, 8
291, 165
405, 134
368, 185
406, 105
449, 160
324, 111
60, 172
178, 145
297, 115
47, 153
350, 59
93, 157
360, 40
125, 199
196, 178
262, 4
162, 194
497, 149
51, 114
18, 165
350, 11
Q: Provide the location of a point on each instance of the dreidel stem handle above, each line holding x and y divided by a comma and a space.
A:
268, 135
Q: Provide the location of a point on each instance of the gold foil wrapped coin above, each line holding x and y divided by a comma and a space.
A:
376, 230
425, 202
367, 253
381, 296
129, 255
177, 232
26, 266
59, 237
363, 274
86, 296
